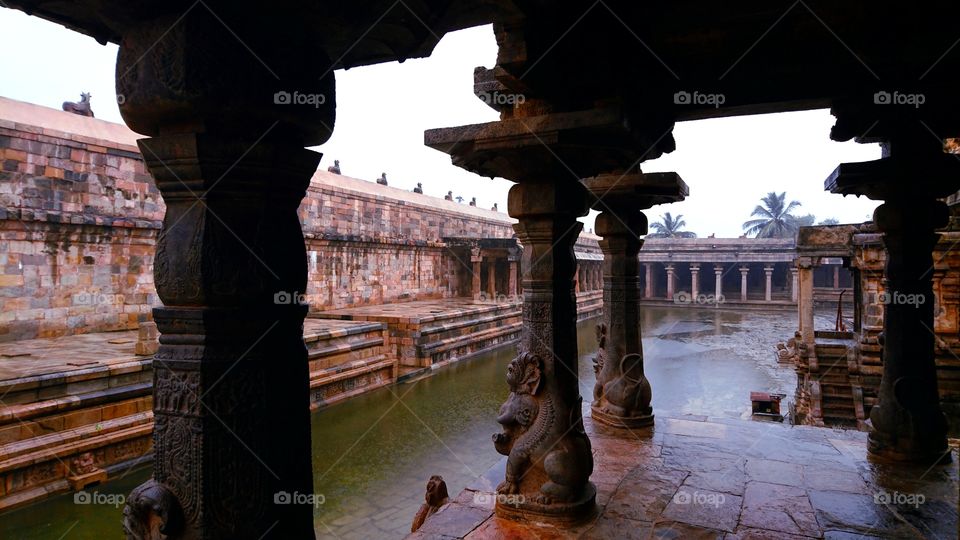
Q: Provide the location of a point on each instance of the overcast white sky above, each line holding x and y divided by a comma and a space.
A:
383, 110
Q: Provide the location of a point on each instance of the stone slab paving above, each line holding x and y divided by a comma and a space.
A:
415, 312
45, 356
718, 478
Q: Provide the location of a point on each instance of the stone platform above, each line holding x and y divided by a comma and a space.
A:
698, 477
62, 398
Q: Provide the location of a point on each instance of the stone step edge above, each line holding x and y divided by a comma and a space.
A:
318, 353
438, 347
458, 312
370, 326
28, 496
9, 386
16, 452
345, 371
424, 333
28, 411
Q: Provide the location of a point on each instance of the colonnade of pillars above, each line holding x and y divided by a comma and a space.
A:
480, 262
589, 277
719, 271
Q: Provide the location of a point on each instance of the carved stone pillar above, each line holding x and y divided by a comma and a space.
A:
768, 291
793, 284
232, 450
577, 279
744, 270
911, 177
553, 473
836, 277
476, 285
621, 396
670, 279
718, 273
694, 280
648, 281
805, 301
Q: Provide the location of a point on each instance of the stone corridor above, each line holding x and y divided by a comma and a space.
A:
695, 477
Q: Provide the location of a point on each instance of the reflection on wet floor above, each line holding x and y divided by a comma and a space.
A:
373, 454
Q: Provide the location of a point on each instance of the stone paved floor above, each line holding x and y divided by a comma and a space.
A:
698, 477
32, 357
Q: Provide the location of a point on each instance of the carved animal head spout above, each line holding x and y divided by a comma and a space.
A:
152, 512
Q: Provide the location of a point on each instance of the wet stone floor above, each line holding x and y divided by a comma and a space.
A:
719, 478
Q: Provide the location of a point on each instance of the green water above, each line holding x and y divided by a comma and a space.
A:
374, 453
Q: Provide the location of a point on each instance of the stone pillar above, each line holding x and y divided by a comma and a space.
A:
836, 277
621, 395
476, 285
512, 286
670, 280
768, 292
231, 400
577, 279
744, 270
648, 285
718, 272
491, 278
805, 301
793, 284
545, 371
694, 281
911, 178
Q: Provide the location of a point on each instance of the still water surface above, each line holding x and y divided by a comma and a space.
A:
374, 453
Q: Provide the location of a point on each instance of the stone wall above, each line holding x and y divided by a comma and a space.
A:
79, 218
79, 215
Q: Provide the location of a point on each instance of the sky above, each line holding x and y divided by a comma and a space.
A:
383, 110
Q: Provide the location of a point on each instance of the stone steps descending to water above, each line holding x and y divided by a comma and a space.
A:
346, 359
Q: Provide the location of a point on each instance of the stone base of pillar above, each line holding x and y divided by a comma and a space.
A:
629, 422
563, 514
889, 447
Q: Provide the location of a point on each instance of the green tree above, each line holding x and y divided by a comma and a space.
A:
774, 217
670, 227
830, 221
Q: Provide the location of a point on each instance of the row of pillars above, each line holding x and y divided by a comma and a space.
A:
589, 277
718, 270
477, 290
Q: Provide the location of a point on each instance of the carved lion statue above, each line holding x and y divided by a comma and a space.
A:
435, 497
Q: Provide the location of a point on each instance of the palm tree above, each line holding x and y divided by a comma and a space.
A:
775, 219
669, 227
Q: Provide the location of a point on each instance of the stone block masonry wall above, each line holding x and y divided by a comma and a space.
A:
369, 244
79, 217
